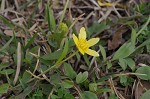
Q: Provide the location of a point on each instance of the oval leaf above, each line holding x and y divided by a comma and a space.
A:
4, 88
122, 63
69, 71
81, 77
67, 84
146, 95
144, 70
88, 95
130, 62
103, 52
133, 37
124, 51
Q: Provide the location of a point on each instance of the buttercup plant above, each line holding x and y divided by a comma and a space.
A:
84, 45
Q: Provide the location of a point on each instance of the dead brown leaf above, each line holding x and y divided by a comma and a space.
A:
117, 38
141, 86
11, 33
5, 59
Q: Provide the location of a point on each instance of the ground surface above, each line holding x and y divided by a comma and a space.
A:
39, 59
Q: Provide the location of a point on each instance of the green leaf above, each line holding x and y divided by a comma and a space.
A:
55, 79
124, 51
144, 70
130, 62
7, 71
64, 53
81, 77
4, 88
84, 67
46, 63
68, 96
133, 37
61, 91
69, 71
3, 65
30, 42
26, 77
113, 96
26, 92
67, 84
122, 63
146, 95
54, 97
101, 90
123, 79
50, 19
88, 95
109, 64
103, 52
6, 22
52, 56
55, 39
46, 88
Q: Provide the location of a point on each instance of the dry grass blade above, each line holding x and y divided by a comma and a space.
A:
114, 89
37, 77
106, 15
16, 4
51, 93
37, 63
18, 63
75, 21
140, 87
18, 34
2, 6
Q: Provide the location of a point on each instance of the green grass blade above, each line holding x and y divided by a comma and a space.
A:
50, 19
30, 41
6, 22
7, 44
133, 37
64, 11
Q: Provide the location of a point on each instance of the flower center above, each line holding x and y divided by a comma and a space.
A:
83, 44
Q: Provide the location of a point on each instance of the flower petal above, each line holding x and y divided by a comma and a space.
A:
92, 52
92, 41
75, 39
82, 34
82, 52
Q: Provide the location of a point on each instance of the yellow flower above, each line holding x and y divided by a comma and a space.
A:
83, 44
105, 4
